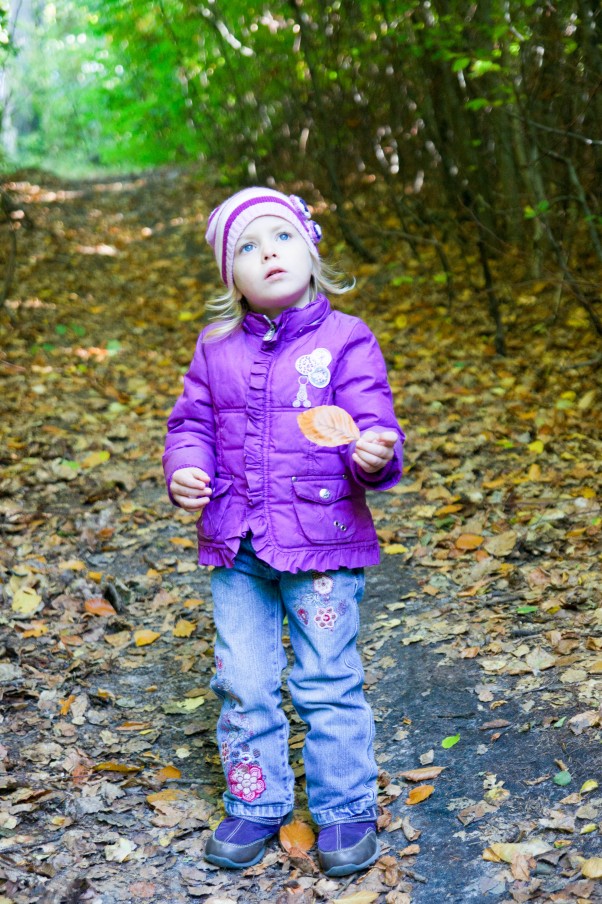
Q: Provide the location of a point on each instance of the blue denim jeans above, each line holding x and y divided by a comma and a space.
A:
326, 683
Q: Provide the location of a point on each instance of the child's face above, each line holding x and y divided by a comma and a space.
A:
272, 266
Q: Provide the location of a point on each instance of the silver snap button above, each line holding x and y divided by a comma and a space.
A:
324, 493
342, 526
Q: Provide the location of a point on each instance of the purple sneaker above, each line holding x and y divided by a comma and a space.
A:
347, 847
238, 843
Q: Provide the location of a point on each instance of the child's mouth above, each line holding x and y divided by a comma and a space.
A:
275, 272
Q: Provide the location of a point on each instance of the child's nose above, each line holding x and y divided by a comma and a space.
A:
269, 250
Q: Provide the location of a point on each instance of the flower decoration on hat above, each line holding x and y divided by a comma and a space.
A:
314, 231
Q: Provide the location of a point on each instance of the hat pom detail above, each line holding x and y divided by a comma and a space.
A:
314, 231
300, 205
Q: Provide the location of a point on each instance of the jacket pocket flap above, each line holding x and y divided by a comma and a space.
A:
323, 490
220, 486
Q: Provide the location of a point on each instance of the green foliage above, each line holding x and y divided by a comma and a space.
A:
482, 115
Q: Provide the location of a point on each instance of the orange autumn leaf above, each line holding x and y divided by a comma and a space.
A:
168, 772
98, 605
66, 704
296, 834
469, 541
328, 425
420, 775
419, 794
145, 636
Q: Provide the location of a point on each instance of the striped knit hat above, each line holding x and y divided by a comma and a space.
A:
228, 221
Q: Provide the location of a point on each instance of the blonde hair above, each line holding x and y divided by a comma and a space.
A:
229, 310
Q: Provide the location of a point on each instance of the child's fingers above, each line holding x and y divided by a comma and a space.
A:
388, 438
190, 504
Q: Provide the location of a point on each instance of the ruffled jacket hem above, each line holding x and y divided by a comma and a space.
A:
294, 560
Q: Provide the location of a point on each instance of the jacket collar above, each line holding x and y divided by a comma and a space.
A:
290, 323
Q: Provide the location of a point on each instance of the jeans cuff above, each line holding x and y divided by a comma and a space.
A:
345, 814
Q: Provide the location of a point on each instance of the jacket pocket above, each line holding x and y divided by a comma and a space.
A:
213, 514
324, 508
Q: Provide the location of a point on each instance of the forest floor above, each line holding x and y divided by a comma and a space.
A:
482, 635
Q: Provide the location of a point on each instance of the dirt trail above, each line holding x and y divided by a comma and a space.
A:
482, 633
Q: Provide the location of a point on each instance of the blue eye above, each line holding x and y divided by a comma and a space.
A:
285, 236
244, 249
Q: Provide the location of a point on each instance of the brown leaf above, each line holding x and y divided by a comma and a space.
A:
296, 834
420, 775
521, 867
417, 795
328, 425
409, 831
410, 850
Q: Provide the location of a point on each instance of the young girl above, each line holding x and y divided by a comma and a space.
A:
285, 525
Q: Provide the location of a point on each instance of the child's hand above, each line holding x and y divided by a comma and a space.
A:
190, 488
374, 450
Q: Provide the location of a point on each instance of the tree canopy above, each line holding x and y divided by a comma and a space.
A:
472, 126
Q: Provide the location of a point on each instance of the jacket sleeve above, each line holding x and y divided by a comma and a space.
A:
190, 439
361, 387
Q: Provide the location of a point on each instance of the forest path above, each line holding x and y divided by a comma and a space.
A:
482, 634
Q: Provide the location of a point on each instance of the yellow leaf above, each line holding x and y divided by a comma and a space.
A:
193, 603
502, 851
72, 565
586, 401
184, 628
328, 425
116, 767
26, 601
590, 785
168, 772
592, 868
186, 542
417, 795
401, 321
98, 605
296, 834
145, 636
420, 775
167, 796
469, 541
536, 446
36, 629
394, 549
96, 458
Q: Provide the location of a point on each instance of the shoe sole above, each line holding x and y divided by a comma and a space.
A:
348, 868
230, 864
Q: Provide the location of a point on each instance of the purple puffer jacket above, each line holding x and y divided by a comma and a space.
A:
237, 419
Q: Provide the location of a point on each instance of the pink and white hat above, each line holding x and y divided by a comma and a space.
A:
228, 221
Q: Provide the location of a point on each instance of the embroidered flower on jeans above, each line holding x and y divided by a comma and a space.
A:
246, 781
323, 584
326, 617
303, 615
225, 751
219, 662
